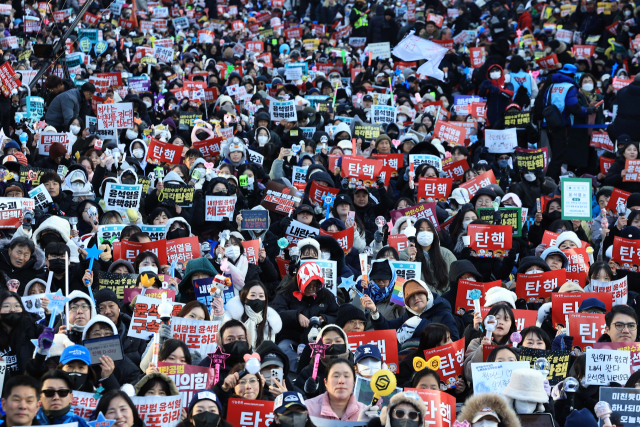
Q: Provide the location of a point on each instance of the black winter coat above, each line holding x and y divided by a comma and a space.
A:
16, 347
133, 348
614, 179
24, 274
628, 118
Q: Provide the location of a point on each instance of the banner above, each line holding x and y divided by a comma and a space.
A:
451, 360
298, 231
160, 152
117, 282
434, 189
219, 207
145, 320
564, 304
559, 361
479, 182
464, 302
250, 413
280, 199
198, 335
121, 197
158, 411
537, 287
490, 241
344, 238
586, 329
130, 250
183, 250
385, 341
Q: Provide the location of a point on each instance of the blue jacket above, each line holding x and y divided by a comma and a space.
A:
69, 417
571, 100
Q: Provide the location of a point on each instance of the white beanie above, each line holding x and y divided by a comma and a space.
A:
499, 294
526, 385
568, 235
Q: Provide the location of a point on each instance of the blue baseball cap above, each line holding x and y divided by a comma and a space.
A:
367, 350
75, 352
591, 303
286, 400
569, 69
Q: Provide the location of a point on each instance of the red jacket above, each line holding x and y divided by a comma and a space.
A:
524, 22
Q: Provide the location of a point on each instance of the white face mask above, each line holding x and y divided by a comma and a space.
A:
587, 87
627, 13
533, 272
325, 256
232, 252
530, 177
138, 153
148, 104
132, 134
74, 129
495, 75
402, 119
425, 238
465, 224
148, 268
262, 140
486, 423
525, 407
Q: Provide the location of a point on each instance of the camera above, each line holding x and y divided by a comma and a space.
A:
27, 219
314, 328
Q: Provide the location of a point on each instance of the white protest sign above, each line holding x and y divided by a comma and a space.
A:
255, 157
155, 232
299, 176
47, 139
83, 404
122, 196
501, 141
605, 366
41, 197
164, 54
283, 110
617, 288
158, 411
329, 272
219, 207
293, 73
33, 304
110, 232
383, 114
298, 231
104, 133
145, 320
198, 335
380, 50
430, 159
493, 377
118, 116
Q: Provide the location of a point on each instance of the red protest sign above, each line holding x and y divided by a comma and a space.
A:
249, 413
362, 171
451, 133
490, 241
423, 210
130, 250
209, 147
523, 318
455, 170
333, 161
317, 192
613, 28
90, 18
586, 329
162, 152
115, 79
563, 304
48, 139
479, 182
532, 287
633, 171
605, 164
280, 199
189, 379
251, 250
441, 406
601, 140
617, 197
255, 46
583, 51
293, 33
436, 19
578, 266
183, 250
464, 302
548, 62
434, 189
6, 78
392, 160
477, 56
344, 238
283, 266
447, 44
398, 241
386, 341
451, 359
478, 110
626, 254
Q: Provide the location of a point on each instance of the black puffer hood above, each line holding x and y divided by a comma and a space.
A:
531, 261
268, 347
459, 268
316, 176
337, 254
263, 115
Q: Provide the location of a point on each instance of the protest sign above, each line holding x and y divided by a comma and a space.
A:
47, 139
254, 219
363, 393
383, 114
451, 360
159, 152
121, 197
117, 282
208, 147
558, 359
398, 241
479, 182
549, 62
317, 193
564, 304
617, 288
158, 411
578, 265
379, 50
362, 171
510, 216
601, 140
532, 159
299, 177
493, 377
450, 133
118, 116
131, 293
423, 210
632, 168
6, 75
11, 209
283, 110
455, 170
517, 120
145, 320
632, 347
183, 250
280, 199
33, 304
501, 141
105, 346
249, 413
188, 379
298, 231
329, 273
617, 197
419, 159
252, 250
219, 207
181, 194
385, 340
41, 197
35, 107
344, 238
406, 269
605, 164
626, 254
441, 407
477, 55
605, 366
130, 250
537, 287
623, 401
366, 131
549, 239
576, 198
464, 302
490, 241
393, 161
83, 404
586, 329
198, 335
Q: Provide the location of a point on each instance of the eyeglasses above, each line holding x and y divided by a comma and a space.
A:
356, 322
412, 415
63, 392
630, 326
101, 334
14, 307
75, 308
252, 382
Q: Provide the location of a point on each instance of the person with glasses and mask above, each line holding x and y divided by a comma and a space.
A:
56, 396
621, 325
404, 410
289, 410
81, 310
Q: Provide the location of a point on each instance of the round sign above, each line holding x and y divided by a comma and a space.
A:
381, 222
100, 47
85, 45
383, 382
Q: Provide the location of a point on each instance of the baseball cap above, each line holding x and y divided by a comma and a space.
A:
75, 352
360, 188
204, 395
592, 303
367, 350
460, 195
303, 208
271, 359
286, 400
343, 198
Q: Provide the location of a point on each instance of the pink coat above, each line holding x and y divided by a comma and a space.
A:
319, 407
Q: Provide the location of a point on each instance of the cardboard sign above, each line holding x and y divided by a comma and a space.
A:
626, 254
441, 407
501, 141
455, 170
317, 193
40, 197
617, 197
632, 347
160, 152
578, 266
199, 335
586, 329
617, 288
537, 287
532, 159
219, 207
118, 116
576, 198
601, 140
145, 320
464, 302
362, 171
158, 411
254, 219
208, 147
47, 139
605, 366
493, 377
183, 250
508, 216
559, 361
453, 134
130, 250
479, 182
490, 241
423, 210
105, 346
298, 231
189, 379
280, 199
385, 341
564, 304
6, 78
434, 189
451, 360
344, 238
117, 282
121, 197
249, 413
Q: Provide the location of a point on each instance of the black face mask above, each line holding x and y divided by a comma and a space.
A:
11, 319
256, 305
392, 135
128, 181
296, 419
336, 349
56, 265
178, 233
206, 419
78, 379
48, 238
236, 348
404, 422
553, 216
219, 193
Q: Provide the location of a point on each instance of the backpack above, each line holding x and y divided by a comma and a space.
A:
552, 114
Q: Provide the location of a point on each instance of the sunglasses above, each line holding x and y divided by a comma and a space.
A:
413, 415
62, 392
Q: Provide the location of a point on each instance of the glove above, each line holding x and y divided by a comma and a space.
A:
285, 222
378, 236
318, 210
591, 110
165, 332
345, 183
380, 183
45, 340
196, 358
369, 413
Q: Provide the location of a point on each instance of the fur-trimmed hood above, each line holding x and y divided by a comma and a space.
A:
408, 397
98, 319
398, 223
494, 401
39, 253
235, 309
173, 390
117, 263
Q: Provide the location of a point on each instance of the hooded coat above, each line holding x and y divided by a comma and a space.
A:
385, 307
477, 403
268, 347
404, 397
29, 271
498, 94
234, 309
173, 390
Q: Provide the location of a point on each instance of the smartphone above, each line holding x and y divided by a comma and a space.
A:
276, 374
92, 128
287, 152
351, 215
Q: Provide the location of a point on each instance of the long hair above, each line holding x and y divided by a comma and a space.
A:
494, 353
504, 310
190, 306
103, 406
5, 339
437, 275
172, 345
431, 337
243, 299
457, 228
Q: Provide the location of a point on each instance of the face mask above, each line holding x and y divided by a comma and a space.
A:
48, 238
627, 13
78, 379
220, 193
369, 368
556, 10
232, 252
296, 419
57, 413
425, 238
465, 224
132, 134
587, 87
206, 419
148, 268
336, 349
533, 272
178, 233
77, 186
402, 119
148, 104
486, 423
236, 348
525, 407
128, 44
530, 177
56, 265
257, 305
262, 140
74, 129
404, 422
325, 256
503, 163
495, 75
11, 319
138, 153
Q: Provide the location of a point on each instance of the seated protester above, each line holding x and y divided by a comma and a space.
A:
338, 402
88, 223
422, 308
117, 405
339, 348
205, 410
171, 351
535, 337
56, 397
334, 225
265, 270
621, 325
156, 384
463, 218
198, 268
248, 387
20, 260
111, 374
219, 186
64, 199
303, 213
490, 409
251, 307
331, 249
368, 209
272, 357
503, 353
269, 240
159, 216
20, 401
351, 318
404, 409
147, 262
382, 279
426, 379
121, 266
555, 258
462, 269
18, 328
298, 303
108, 305
35, 287
617, 172
55, 262
177, 228
291, 411
598, 271
81, 310
342, 205
76, 361
233, 338
494, 296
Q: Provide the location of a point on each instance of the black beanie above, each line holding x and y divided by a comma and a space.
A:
104, 295
348, 312
633, 200
381, 270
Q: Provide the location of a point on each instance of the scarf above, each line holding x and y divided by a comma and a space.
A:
252, 323
378, 294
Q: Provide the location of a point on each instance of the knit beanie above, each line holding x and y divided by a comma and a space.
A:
348, 312
581, 418
570, 287
499, 294
568, 235
104, 295
633, 200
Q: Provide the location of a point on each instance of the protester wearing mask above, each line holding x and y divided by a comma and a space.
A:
499, 94
233, 338
56, 397
368, 361
205, 410
76, 361
138, 149
488, 410
177, 228
382, 279
405, 409
198, 268
289, 410
55, 262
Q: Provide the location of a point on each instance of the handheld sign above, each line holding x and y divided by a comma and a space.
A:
56, 305
92, 254
383, 383
217, 359
318, 349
